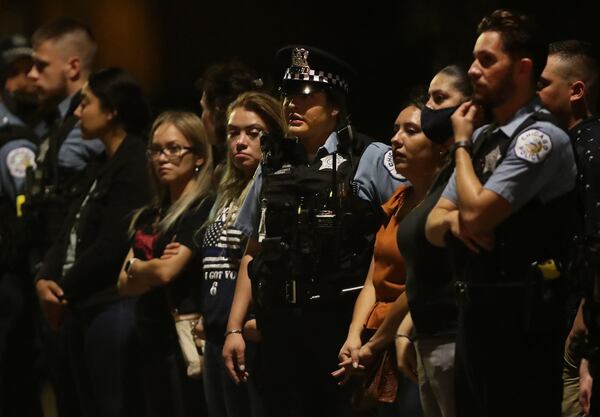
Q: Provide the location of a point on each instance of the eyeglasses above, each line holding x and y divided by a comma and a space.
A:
172, 152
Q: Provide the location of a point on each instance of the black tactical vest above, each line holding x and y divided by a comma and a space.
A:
535, 233
313, 228
51, 188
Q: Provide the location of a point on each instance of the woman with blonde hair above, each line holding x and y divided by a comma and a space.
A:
249, 117
181, 171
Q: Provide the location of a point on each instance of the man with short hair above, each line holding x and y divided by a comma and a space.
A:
62, 61
18, 145
508, 208
568, 87
64, 50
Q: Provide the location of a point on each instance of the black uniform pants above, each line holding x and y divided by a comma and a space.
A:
299, 350
509, 352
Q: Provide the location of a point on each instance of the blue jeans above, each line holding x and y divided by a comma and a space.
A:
102, 359
223, 397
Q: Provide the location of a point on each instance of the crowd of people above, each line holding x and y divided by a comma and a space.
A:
265, 259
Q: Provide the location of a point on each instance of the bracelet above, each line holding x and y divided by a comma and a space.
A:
228, 332
466, 144
399, 335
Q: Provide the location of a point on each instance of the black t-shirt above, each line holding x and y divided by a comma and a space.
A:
154, 305
429, 282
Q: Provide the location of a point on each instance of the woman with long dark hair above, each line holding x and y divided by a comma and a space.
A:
76, 284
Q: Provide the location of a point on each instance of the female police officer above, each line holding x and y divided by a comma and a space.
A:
307, 231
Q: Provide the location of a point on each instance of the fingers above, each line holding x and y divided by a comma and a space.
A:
354, 355
241, 365
170, 250
484, 241
584, 402
230, 368
470, 244
338, 372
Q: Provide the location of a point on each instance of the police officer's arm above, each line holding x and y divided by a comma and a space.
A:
481, 210
15, 156
444, 218
234, 347
49, 292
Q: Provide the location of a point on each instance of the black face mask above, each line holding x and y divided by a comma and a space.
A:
436, 124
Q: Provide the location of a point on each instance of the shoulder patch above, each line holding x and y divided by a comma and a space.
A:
327, 162
388, 163
18, 160
533, 146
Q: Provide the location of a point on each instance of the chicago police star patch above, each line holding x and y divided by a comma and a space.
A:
533, 146
327, 162
388, 163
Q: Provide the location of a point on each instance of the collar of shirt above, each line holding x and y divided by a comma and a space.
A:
329, 147
63, 106
523, 113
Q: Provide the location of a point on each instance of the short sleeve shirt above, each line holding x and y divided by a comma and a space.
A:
519, 178
376, 174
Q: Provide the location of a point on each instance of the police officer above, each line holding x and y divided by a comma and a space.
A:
18, 145
63, 54
64, 51
508, 209
568, 87
306, 227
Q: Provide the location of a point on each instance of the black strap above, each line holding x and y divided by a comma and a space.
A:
57, 138
10, 132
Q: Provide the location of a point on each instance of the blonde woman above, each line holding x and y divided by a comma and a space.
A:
249, 117
181, 170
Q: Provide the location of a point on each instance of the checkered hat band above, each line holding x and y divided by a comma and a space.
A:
317, 77
17, 52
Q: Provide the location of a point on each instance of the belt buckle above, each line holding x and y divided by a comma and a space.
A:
289, 289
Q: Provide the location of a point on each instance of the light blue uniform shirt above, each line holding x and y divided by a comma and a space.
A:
75, 152
519, 180
376, 174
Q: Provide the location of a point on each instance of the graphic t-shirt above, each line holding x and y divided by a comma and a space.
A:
222, 249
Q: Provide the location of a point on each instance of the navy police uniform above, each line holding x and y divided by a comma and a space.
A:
511, 304
314, 229
18, 146
57, 179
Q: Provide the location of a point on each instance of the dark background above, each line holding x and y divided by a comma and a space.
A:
394, 46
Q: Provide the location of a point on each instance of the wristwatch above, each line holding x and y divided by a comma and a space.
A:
460, 144
128, 266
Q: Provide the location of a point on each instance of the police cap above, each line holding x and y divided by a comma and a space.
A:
12, 48
309, 69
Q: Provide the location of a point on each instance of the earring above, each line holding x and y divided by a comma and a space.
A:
197, 169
